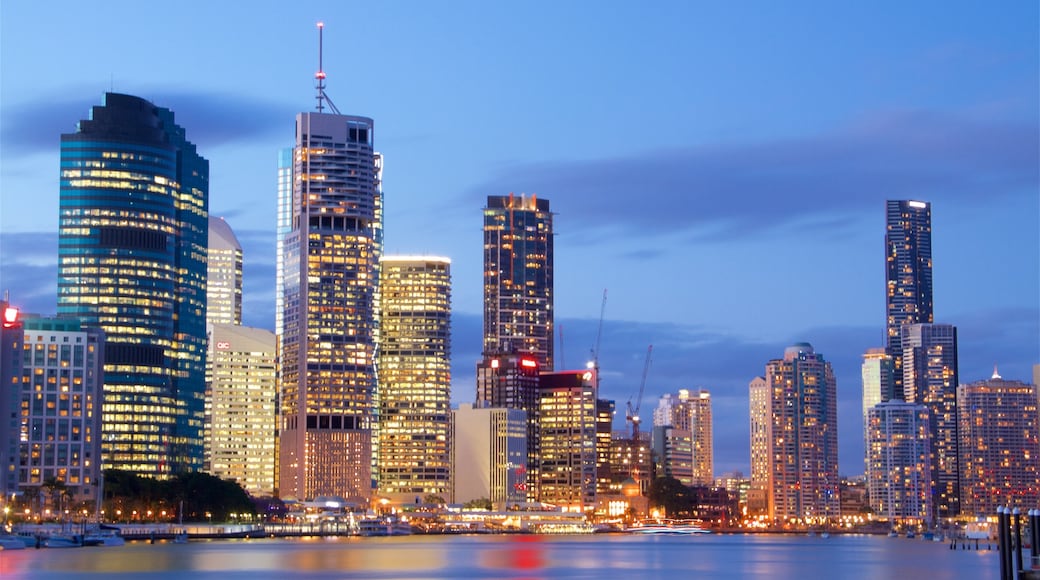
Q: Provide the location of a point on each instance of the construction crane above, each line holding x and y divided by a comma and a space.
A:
632, 415
594, 363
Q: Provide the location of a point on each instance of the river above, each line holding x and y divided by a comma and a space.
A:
516, 557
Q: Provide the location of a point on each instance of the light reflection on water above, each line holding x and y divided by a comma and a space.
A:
515, 557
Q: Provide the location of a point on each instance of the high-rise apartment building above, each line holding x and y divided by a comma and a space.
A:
908, 273
132, 261
899, 464
242, 401
283, 227
329, 312
567, 439
794, 440
930, 379
223, 275
414, 377
688, 416
673, 449
488, 454
518, 277
999, 445
878, 374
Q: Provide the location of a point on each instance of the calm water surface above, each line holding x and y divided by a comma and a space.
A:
519, 557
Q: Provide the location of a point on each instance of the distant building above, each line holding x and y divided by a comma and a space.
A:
518, 277
223, 275
878, 374
794, 443
243, 396
329, 320
132, 239
510, 381
414, 377
930, 378
908, 273
899, 465
999, 445
686, 450
631, 461
604, 429
12, 340
59, 418
567, 439
488, 451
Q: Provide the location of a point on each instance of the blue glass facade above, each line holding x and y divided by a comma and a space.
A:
132, 261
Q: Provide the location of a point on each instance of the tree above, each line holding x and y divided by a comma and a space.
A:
669, 493
433, 499
482, 503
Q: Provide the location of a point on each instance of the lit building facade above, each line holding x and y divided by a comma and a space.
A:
930, 378
510, 381
631, 460
330, 321
899, 464
59, 411
242, 398
673, 448
518, 277
604, 429
689, 416
414, 377
999, 445
794, 427
567, 439
132, 245
488, 452
223, 275
11, 346
908, 273
877, 373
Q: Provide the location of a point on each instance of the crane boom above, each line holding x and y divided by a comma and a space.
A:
599, 334
633, 413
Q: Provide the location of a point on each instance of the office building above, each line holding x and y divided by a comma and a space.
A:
11, 346
488, 452
689, 417
223, 275
518, 277
132, 245
242, 398
283, 227
999, 445
329, 311
899, 464
510, 381
604, 429
414, 378
794, 441
567, 439
908, 273
930, 378
673, 448
631, 460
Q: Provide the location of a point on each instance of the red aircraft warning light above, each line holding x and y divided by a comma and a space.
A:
10, 317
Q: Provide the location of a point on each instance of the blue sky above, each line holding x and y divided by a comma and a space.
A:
721, 169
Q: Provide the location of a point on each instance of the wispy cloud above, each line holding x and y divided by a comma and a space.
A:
211, 119
818, 181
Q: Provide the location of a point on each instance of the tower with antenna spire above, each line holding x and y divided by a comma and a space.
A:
331, 206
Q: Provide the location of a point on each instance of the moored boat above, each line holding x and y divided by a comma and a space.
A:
9, 542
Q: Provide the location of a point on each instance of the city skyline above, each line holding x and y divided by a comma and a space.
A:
943, 113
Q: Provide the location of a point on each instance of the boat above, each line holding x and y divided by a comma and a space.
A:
62, 541
909, 534
679, 530
103, 538
9, 542
180, 538
384, 527
893, 534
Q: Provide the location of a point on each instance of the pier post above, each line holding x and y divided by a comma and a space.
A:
1017, 517
1002, 543
1034, 539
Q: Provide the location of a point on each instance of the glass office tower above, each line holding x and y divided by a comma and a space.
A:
329, 315
132, 260
224, 275
518, 277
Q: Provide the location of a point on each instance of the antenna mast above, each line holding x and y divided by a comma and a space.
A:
320, 75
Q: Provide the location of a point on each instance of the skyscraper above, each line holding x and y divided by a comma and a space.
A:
567, 439
930, 379
899, 464
488, 452
879, 383
794, 438
132, 261
329, 311
999, 445
510, 381
688, 417
11, 346
223, 275
414, 377
908, 273
243, 396
518, 277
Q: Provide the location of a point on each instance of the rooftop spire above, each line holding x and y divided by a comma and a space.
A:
320, 75
996, 375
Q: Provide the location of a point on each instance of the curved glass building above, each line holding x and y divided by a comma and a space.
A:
132, 261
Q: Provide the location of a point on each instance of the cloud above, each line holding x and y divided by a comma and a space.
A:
819, 181
210, 119
29, 270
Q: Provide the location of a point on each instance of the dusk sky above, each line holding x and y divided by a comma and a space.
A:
720, 168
